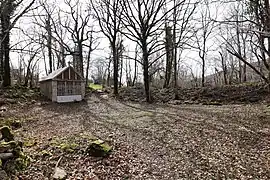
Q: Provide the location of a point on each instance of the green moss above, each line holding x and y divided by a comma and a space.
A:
11, 144
6, 146
11, 122
29, 143
7, 134
104, 145
68, 147
22, 162
54, 143
95, 86
18, 164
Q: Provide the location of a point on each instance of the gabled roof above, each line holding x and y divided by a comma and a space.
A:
53, 74
57, 72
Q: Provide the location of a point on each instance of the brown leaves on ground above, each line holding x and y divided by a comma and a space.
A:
149, 141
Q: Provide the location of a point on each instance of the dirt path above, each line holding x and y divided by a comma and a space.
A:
154, 141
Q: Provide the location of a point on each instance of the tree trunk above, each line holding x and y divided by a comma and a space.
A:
244, 72
63, 61
6, 48
174, 46
146, 74
1, 49
224, 69
203, 72
121, 71
27, 75
87, 68
109, 73
135, 68
169, 56
239, 48
49, 44
1, 58
202, 56
267, 11
80, 47
115, 70
240, 72
147, 84
88, 60
127, 74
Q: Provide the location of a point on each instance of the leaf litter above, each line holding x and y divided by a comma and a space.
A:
154, 141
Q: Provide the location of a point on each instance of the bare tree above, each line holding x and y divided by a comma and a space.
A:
43, 19
108, 14
223, 57
181, 19
108, 79
202, 36
75, 22
30, 65
91, 47
143, 20
248, 31
8, 19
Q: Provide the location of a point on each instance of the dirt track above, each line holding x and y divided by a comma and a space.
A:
154, 141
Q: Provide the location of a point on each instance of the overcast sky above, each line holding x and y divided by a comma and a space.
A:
190, 57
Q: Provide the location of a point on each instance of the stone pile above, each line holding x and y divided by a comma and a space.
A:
12, 158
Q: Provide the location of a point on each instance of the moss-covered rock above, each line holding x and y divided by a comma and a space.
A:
7, 134
98, 148
7, 146
18, 164
11, 153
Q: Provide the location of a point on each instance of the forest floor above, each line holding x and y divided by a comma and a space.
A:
230, 94
156, 141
